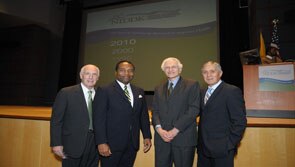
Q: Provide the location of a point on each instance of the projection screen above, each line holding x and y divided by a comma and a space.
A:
146, 33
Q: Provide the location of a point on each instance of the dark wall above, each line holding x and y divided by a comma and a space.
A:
261, 15
71, 43
28, 66
234, 38
35, 64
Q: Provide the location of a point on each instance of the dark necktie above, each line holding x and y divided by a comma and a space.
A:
89, 101
170, 88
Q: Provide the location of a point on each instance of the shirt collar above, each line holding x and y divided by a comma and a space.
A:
85, 89
174, 81
213, 87
123, 85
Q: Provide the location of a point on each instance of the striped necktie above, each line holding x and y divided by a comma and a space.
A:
127, 93
89, 106
207, 95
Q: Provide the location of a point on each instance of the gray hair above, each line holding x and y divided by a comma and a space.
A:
83, 68
215, 64
171, 59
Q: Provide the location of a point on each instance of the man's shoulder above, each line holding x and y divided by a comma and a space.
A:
70, 88
229, 87
189, 82
161, 85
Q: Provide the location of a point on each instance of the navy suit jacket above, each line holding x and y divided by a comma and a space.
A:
69, 123
222, 121
116, 122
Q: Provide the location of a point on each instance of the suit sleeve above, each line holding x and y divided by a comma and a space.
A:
145, 123
57, 118
155, 109
236, 109
193, 109
100, 116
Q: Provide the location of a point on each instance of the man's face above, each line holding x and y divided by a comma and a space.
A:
211, 74
125, 73
89, 76
171, 69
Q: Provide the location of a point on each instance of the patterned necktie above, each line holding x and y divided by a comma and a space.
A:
127, 93
207, 95
170, 88
89, 101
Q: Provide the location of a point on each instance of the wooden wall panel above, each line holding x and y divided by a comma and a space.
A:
25, 143
267, 147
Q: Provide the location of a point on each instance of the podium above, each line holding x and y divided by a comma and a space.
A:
269, 90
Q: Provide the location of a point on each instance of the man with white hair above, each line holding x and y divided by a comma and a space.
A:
176, 105
71, 128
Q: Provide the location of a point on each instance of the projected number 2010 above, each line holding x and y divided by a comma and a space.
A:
123, 46
124, 42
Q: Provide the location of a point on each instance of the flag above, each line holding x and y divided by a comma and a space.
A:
274, 36
262, 50
274, 45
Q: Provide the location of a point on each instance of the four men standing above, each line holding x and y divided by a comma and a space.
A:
120, 112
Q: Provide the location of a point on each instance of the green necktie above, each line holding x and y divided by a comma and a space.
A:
170, 88
89, 101
127, 93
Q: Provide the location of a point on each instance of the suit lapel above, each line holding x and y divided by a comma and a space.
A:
120, 91
135, 93
215, 93
176, 89
80, 95
165, 90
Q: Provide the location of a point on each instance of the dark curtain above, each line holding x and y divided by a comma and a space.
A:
234, 38
71, 44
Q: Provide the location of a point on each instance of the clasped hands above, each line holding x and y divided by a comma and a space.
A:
167, 136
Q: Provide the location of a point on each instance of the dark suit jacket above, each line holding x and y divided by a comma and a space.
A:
179, 110
222, 121
115, 121
69, 123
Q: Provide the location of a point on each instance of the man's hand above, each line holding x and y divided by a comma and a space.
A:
172, 133
146, 145
58, 150
104, 150
164, 134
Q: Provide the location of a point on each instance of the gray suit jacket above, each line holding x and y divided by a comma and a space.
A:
179, 110
69, 123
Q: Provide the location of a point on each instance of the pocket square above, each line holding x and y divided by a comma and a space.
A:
140, 96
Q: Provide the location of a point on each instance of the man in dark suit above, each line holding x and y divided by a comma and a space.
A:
71, 130
120, 113
222, 119
176, 106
